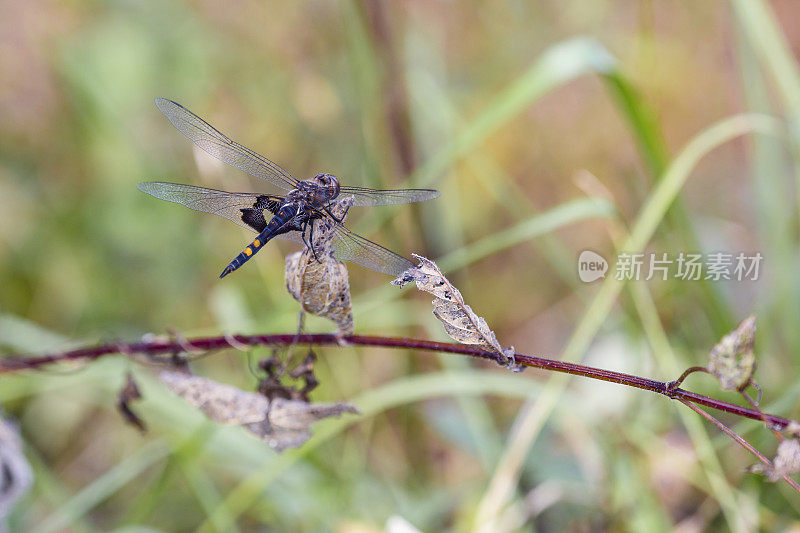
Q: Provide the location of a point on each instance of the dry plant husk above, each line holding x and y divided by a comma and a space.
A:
459, 320
320, 283
732, 360
279, 422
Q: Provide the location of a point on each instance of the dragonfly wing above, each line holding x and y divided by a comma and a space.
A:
294, 236
215, 143
349, 246
364, 197
235, 206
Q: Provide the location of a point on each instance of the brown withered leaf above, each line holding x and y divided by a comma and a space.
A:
458, 318
16, 475
786, 462
289, 421
318, 281
732, 360
280, 423
224, 404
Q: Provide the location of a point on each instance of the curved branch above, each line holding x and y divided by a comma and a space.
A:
206, 344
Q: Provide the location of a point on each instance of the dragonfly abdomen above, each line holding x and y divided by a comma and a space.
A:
280, 223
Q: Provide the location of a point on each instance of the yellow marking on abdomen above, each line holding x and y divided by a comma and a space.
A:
248, 251
256, 243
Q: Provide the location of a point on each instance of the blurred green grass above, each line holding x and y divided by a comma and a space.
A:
506, 104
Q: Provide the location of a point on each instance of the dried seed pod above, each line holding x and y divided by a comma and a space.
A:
318, 281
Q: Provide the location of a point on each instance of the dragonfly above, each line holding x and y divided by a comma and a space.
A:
303, 205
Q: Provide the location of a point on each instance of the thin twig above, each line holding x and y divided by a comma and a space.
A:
746, 445
691, 370
754, 404
156, 347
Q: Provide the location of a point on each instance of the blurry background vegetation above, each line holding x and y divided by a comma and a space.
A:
518, 112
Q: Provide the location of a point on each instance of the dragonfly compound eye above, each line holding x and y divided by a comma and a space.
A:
333, 185
329, 182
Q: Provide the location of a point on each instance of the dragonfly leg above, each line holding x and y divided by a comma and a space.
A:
310, 223
308, 240
303, 235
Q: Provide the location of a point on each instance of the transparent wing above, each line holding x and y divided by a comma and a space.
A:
364, 197
349, 246
215, 143
222, 203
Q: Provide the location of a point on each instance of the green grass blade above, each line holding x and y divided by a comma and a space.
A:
641, 122
23, 335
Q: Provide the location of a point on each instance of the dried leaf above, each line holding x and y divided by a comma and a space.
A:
289, 422
223, 404
280, 423
15, 472
318, 281
786, 462
458, 318
732, 360
127, 395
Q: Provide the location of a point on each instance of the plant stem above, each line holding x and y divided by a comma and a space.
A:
205, 344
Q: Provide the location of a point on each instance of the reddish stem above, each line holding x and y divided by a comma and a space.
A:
14, 364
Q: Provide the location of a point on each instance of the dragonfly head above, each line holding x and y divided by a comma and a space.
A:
329, 183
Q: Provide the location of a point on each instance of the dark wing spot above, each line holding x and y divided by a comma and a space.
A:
254, 216
269, 203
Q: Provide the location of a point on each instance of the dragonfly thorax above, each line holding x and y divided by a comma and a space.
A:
321, 189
